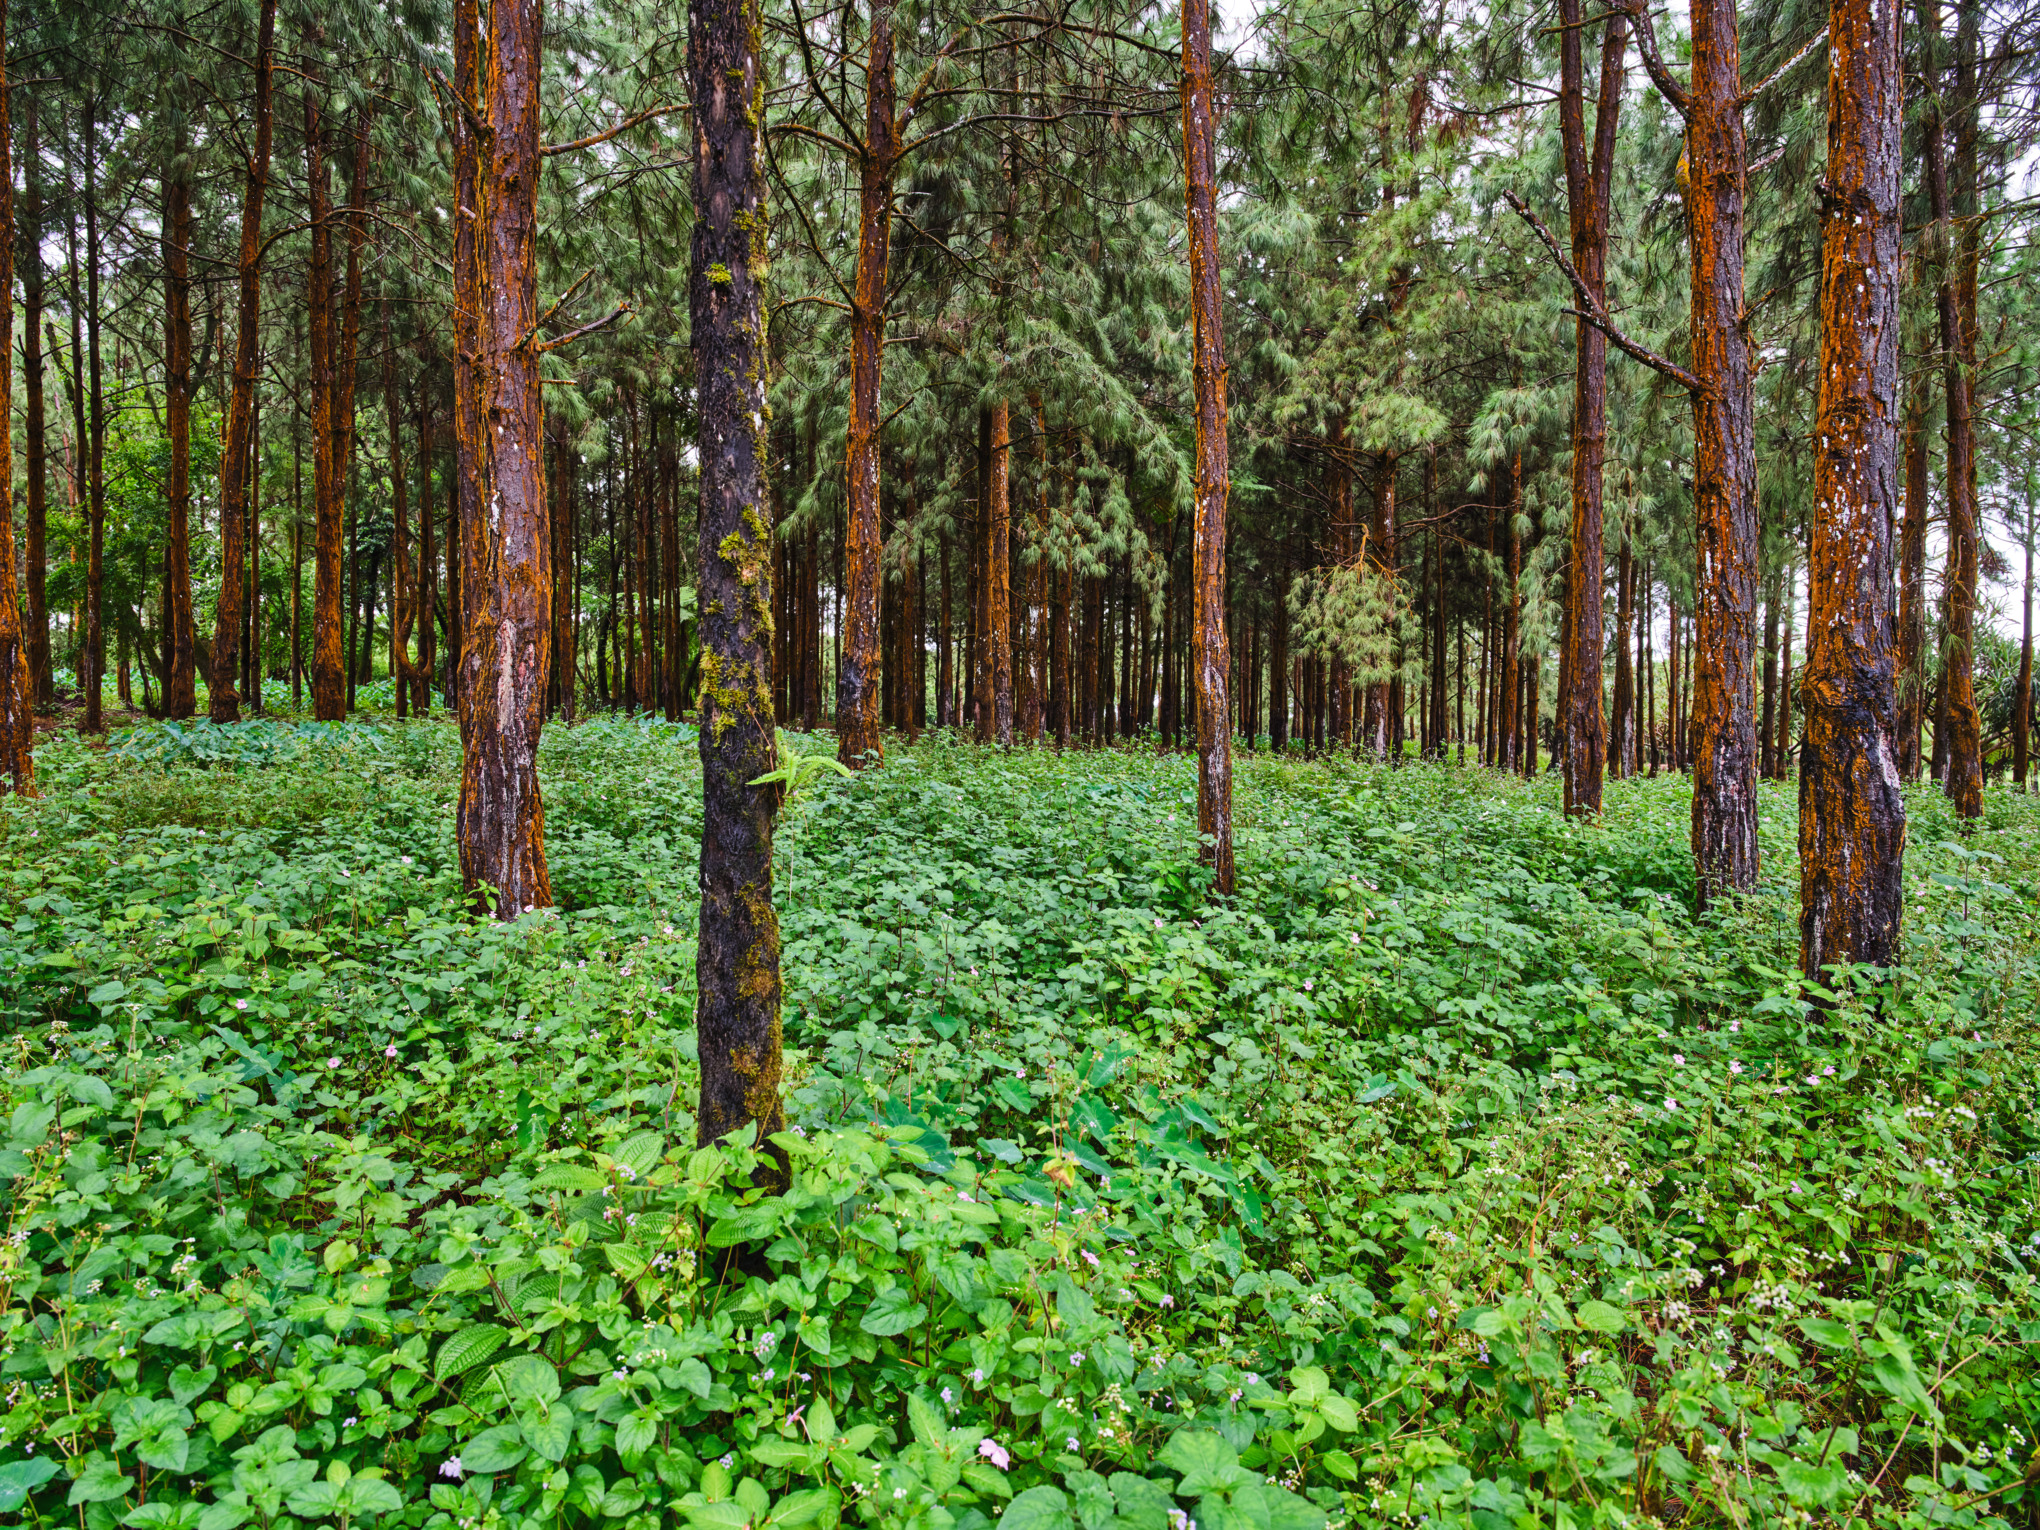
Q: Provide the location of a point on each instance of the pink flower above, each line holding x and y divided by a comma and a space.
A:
1671, 1104
995, 1453
240, 1003
332, 1062
451, 1467
390, 1050
1678, 1059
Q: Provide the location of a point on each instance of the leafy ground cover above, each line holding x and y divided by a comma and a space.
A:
1452, 1173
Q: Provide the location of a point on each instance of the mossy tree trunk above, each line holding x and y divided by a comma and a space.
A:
17, 692
1851, 809
737, 960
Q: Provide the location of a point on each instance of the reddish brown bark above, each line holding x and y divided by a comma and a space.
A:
329, 671
1622, 745
17, 693
1913, 689
1589, 171
180, 680
92, 668
36, 640
400, 533
737, 962
858, 740
1851, 809
505, 539
2022, 698
224, 703
1512, 627
428, 569
1954, 212
995, 704
1207, 364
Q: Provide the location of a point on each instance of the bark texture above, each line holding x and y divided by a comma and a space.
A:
1589, 172
180, 679
1207, 362
737, 962
1851, 809
506, 542
329, 672
224, 701
17, 692
1724, 732
858, 741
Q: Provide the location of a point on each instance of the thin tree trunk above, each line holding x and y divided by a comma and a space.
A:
1767, 720
858, 740
428, 568
17, 690
505, 554
36, 641
1589, 171
1782, 749
92, 673
223, 701
1913, 689
400, 533
1954, 211
180, 680
1621, 742
1512, 627
737, 966
329, 666
1207, 360
2022, 698
1851, 808
995, 702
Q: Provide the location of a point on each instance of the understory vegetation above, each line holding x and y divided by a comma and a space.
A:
1450, 1173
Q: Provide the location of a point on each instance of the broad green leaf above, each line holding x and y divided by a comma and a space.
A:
1599, 1317
1039, 1508
494, 1450
1205, 1461
469, 1348
893, 1312
20, 1478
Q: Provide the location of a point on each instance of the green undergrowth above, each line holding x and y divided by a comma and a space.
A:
1452, 1173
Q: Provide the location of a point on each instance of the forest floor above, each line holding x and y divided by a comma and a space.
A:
1452, 1170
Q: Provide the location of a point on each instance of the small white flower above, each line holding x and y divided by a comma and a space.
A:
1071, 1445
451, 1467
1168, 1300
1735, 1067
1678, 1059
948, 1397
1671, 1104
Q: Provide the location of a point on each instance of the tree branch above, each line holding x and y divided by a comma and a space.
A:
622, 127
1783, 69
1646, 44
1592, 312
542, 346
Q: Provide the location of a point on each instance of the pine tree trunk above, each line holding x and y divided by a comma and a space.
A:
1851, 808
400, 533
1512, 627
1207, 360
995, 702
1767, 764
2022, 698
329, 658
1589, 171
224, 701
426, 605
1954, 211
180, 680
1724, 468
17, 690
1622, 742
857, 676
505, 554
36, 639
92, 671
1913, 689
737, 968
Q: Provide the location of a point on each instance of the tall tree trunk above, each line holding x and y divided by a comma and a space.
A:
400, 533
180, 680
1589, 171
92, 672
224, 703
343, 421
506, 547
1954, 211
737, 966
1851, 808
2022, 698
1767, 754
428, 567
857, 675
17, 691
669, 566
1512, 626
995, 704
329, 666
1725, 500
36, 640
1913, 689
1621, 751
1207, 361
